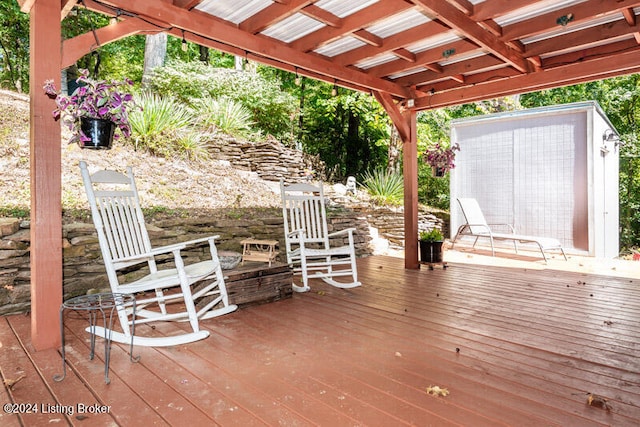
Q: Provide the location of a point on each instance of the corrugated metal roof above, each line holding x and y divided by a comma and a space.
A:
376, 60
560, 30
433, 42
339, 46
342, 8
293, 27
234, 11
286, 24
398, 23
533, 10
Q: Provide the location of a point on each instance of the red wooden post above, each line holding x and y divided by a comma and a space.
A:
410, 173
46, 170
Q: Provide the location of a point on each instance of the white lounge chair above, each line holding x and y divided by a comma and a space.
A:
477, 227
124, 242
307, 240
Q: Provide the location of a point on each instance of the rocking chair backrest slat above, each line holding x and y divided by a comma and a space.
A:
116, 214
123, 230
303, 208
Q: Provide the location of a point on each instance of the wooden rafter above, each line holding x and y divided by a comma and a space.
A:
588, 36
261, 46
321, 15
75, 48
474, 65
491, 9
573, 73
272, 14
368, 38
457, 20
428, 58
391, 43
580, 12
351, 23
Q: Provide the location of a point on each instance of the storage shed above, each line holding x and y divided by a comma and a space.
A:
550, 172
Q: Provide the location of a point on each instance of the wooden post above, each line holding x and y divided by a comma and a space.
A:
46, 170
406, 123
410, 173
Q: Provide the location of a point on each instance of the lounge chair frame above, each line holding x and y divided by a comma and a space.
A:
477, 226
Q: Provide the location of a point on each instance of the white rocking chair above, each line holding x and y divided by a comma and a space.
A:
307, 240
124, 241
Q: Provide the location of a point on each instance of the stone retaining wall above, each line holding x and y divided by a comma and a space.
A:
269, 159
83, 269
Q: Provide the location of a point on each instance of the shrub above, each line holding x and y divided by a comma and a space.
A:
385, 187
224, 114
190, 145
156, 126
271, 108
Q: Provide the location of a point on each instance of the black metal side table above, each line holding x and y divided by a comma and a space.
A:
105, 304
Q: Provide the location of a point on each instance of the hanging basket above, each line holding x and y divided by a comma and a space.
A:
100, 132
437, 172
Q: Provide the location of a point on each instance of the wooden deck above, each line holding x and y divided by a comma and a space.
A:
517, 347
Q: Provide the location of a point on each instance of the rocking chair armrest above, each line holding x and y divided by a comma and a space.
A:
299, 231
345, 231
181, 245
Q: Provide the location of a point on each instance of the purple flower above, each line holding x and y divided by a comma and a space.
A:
93, 98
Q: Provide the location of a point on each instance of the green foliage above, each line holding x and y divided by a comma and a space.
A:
385, 188
224, 114
14, 212
271, 108
158, 124
349, 131
14, 47
190, 145
432, 191
433, 235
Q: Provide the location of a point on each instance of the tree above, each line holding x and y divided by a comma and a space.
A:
155, 52
14, 47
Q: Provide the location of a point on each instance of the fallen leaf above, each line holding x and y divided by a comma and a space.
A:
598, 402
437, 391
10, 383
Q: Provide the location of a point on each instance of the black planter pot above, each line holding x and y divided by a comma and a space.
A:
430, 252
437, 172
99, 130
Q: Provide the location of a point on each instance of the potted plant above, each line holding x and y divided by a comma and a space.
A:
441, 157
94, 110
431, 245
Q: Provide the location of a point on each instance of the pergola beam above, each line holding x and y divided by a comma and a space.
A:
75, 48
599, 68
259, 45
457, 20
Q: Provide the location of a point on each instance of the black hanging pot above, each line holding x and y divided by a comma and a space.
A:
100, 132
437, 171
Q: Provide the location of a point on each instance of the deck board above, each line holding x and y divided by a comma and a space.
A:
514, 346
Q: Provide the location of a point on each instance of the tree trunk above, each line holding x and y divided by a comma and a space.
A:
204, 54
155, 52
393, 153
